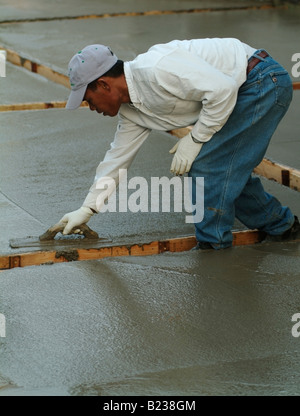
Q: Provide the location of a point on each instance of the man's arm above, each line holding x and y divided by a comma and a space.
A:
129, 137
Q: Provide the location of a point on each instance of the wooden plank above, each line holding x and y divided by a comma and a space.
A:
32, 106
35, 106
179, 244
247, 237
4, 262
296, 85
47, 72
282, 174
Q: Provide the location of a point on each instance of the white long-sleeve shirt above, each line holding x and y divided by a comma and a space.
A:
177, 84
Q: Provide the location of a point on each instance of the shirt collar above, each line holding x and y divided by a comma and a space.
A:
132, 92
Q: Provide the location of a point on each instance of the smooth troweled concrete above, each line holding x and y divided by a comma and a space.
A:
216, 323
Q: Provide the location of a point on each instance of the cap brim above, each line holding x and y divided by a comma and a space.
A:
75, 98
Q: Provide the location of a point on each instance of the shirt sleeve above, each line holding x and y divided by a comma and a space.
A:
189, 77
128, 139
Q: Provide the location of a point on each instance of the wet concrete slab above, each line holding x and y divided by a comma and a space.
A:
16, 222
22, 86
54, 166
54, 43
49, 164
210, 323
35, 9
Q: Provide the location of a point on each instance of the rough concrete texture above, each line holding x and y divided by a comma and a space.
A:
210, 323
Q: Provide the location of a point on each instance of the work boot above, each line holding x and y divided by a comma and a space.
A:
202, 246
292, 233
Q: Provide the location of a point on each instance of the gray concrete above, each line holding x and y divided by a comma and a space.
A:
43, 9
22, 86
56, 164
54, 42
184, 324
211, 323
49, 164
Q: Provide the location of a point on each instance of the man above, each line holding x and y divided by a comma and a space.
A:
232, 94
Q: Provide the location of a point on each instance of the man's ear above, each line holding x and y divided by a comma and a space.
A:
102, 82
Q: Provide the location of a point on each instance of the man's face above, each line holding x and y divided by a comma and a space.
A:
104, 99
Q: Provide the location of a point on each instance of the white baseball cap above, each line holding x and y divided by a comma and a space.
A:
86, 66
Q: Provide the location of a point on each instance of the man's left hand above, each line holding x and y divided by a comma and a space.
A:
186, 151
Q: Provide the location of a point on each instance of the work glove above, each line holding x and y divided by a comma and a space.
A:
75, 219
186, 151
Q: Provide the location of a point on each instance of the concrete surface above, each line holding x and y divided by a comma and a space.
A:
174, 324
41, 9
47, 168
213, 323
54, 42
22, 86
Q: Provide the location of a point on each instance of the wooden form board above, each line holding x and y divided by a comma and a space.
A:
282, 174
36, 106
32, 106
47, 72
9, 261
296, 85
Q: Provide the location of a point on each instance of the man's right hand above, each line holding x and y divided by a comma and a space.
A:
75, 219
